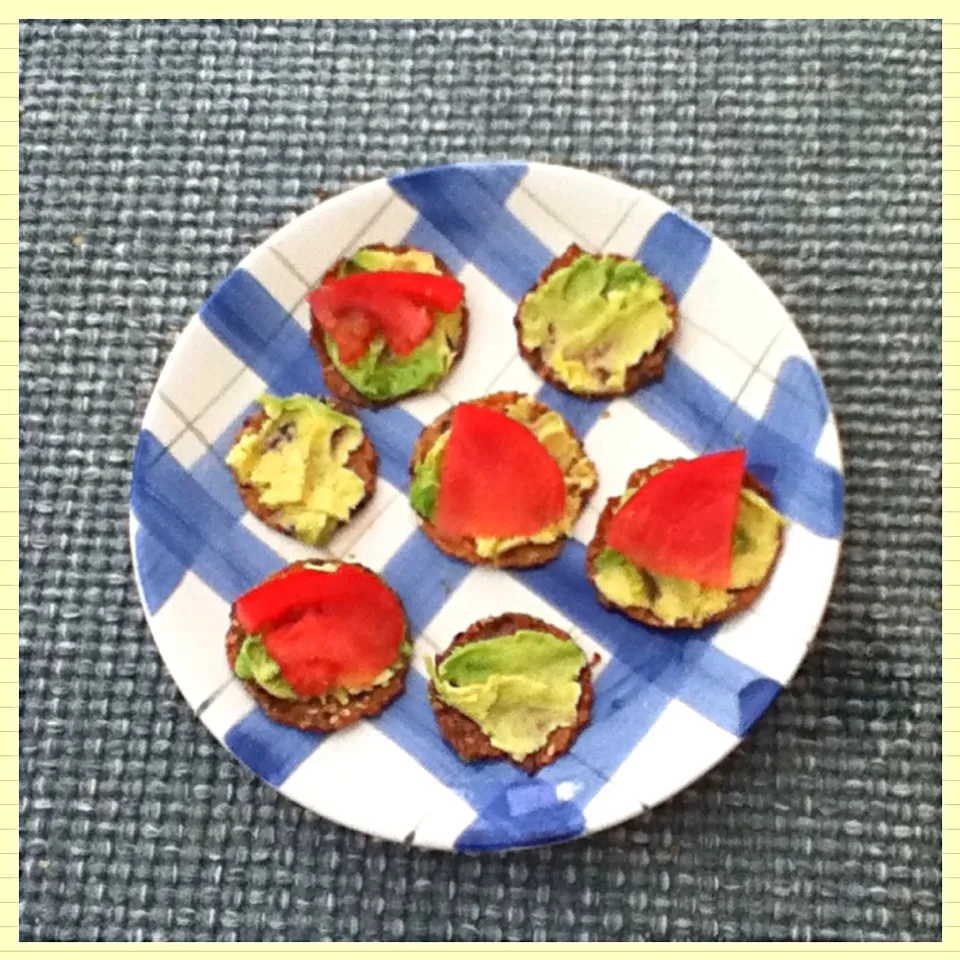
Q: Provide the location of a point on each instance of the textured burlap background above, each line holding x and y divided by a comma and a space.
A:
154, 155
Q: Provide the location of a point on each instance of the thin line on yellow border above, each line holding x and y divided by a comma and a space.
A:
9, 500
9, 519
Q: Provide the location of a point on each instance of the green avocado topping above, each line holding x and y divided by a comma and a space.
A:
552, 431
595, 319
517, 688
380, 374
254, 663
297, 462
672, 599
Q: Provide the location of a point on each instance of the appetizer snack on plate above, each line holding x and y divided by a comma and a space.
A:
500, 481
596, 325
511, 688
690, 542
320, 644
304, 466
388, 322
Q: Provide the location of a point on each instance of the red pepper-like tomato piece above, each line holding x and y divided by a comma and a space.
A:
497, 479
326, 628
398, 304
680, 523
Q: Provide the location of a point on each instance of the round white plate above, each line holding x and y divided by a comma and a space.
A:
669, 705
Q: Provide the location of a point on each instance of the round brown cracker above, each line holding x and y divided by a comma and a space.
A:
465, 735
463, 548
362, 461
742, 598
648, 369
336, 383
319, 713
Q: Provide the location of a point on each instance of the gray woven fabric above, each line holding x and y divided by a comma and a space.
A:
154, 155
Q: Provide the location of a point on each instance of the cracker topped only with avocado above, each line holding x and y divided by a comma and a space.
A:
690, 542
303, 466
512, 688
500, 481
388, 322
596, 325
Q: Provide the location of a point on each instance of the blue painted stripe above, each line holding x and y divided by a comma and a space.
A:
393, 432
755, 699
458, 203
271, 750
680, 663
192, 527
278, 351
798, 408
685, 404
423, 577
626, 706
780, 450
498, 179
243, 314
805, 489
513, 809
159, 570
410, 723
779, 446
581, 414
674, 250
426, 236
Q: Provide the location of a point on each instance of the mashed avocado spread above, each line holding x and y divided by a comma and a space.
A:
254, 663
517, 688
297, 462
593, 320
755, 542
551, 430
380, 374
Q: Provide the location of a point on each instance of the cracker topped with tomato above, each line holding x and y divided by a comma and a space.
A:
387, 323
690, 542
500, 481
320, 644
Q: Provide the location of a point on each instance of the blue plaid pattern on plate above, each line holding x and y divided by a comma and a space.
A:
669, 705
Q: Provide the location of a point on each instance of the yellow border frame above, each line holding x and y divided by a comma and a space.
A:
9, 505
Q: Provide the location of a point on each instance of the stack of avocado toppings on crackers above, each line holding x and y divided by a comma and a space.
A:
320, 645
304, 467
690, 542
500, 481
388, 322
512, 688
596, 325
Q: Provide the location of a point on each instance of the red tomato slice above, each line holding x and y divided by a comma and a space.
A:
324, 629
680, 523
286, 597
405, 325
352, 315
424, 289
310, 678
352, 331
497, 479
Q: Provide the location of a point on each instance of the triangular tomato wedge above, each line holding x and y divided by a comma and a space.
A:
680, 523
326, 629
497, 479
